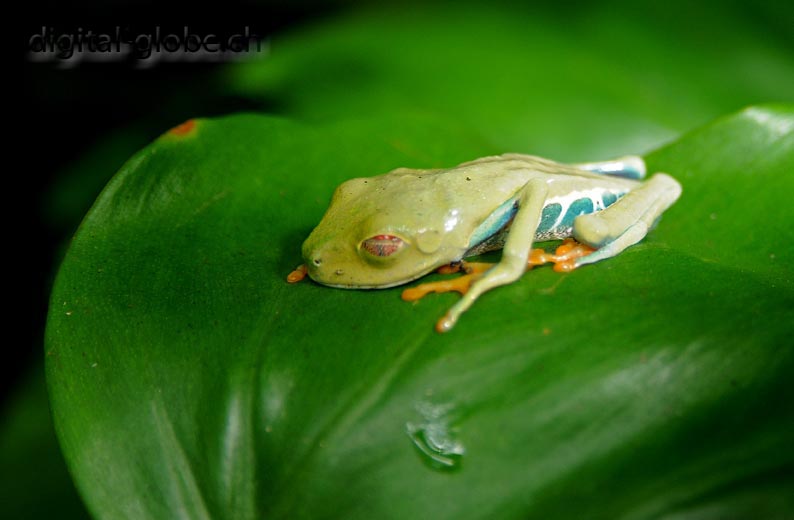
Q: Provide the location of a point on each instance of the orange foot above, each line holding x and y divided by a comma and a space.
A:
297, 275
564, 259
461, 284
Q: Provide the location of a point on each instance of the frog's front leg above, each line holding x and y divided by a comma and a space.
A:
514, 254
627, 221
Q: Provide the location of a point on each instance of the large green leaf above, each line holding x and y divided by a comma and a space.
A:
188, 379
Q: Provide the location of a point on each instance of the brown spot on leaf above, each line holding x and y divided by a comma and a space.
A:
184, 129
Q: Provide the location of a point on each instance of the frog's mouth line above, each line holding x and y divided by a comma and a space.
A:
378, 286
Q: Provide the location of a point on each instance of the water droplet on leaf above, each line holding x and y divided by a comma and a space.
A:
434, 437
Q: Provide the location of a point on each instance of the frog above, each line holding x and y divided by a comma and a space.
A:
391, 229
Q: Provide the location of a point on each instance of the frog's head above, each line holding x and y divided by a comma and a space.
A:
375, 234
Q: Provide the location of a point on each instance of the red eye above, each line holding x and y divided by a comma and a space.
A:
382, 245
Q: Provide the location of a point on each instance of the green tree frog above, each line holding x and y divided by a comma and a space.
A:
391, 229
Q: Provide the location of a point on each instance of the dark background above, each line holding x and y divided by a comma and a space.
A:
68, 111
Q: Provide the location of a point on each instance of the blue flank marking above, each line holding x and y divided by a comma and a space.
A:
608, 198
577, 207
494, 222
627, 172
548, 224
617, 170
550, 215
630, 173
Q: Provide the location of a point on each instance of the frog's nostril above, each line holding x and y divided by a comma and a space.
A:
317, 261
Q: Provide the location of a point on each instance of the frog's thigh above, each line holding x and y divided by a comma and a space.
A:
627, 221
514, 254
630, 166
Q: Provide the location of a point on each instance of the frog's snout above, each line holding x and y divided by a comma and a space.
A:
314, 264
320, 264
317, 262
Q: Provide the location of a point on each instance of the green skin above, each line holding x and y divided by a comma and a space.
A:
387, 230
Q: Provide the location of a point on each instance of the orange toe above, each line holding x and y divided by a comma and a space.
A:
564, 257
460, 284
297, 275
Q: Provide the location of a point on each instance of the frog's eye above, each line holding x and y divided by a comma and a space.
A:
382, 245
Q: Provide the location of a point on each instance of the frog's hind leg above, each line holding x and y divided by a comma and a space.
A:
630, 167
627, 221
